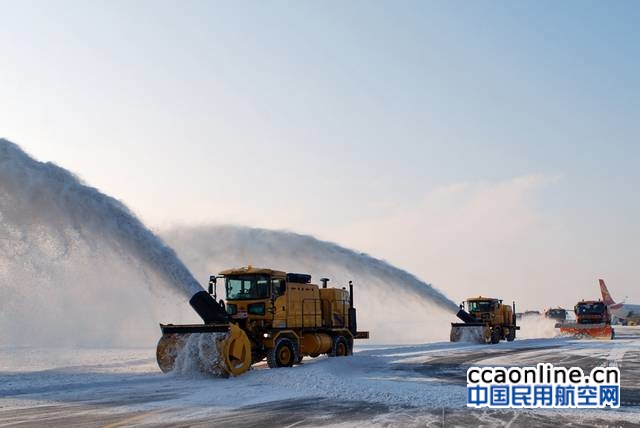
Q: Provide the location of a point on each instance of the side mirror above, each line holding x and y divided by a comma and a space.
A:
212, 283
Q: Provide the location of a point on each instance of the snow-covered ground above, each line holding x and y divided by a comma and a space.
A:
379, 385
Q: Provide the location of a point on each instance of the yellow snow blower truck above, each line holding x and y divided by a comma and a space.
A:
593, 320
487, 320
268, 314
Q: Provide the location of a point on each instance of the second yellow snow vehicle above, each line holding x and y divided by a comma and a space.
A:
487, 320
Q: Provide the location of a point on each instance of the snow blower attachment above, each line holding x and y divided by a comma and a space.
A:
217, 346
269, 314
488, 321
593, 320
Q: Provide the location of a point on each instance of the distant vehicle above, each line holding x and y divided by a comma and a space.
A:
519, 315
558, 314
487, 321
593, 320
627, 313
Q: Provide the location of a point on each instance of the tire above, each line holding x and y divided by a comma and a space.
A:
512, 334
284, 354
496, 335
340, 347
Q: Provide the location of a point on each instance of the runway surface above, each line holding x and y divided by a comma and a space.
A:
417, 385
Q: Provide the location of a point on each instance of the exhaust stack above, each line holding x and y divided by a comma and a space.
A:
353, 327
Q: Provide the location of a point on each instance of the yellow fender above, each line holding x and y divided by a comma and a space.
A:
235, 351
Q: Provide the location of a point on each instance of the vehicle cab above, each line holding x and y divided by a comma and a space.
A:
483, 308
251, 292
592, 312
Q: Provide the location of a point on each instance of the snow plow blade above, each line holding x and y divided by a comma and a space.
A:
595, 331
218, 349
470, 332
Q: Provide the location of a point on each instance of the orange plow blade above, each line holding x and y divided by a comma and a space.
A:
594, 331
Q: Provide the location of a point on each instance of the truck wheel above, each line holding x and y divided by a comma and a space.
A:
496, 335
340, 347
512, 334
284, 354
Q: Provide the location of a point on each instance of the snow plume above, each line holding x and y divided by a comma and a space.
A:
396, 306
42, 194
75, 263
78, 268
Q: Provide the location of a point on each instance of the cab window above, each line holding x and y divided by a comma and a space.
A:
278, 286
247, 287
480, 306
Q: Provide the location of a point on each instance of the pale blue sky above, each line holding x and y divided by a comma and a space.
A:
323, 116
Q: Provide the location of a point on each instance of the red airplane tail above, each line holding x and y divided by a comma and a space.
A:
606, 297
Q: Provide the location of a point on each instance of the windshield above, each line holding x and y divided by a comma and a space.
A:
480, 306
590, 308
247, 287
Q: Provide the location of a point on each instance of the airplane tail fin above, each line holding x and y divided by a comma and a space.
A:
606, 297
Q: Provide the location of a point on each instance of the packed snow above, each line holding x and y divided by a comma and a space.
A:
379, 385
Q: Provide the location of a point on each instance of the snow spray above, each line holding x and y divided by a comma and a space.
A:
88, 254
225, 246
33, 192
